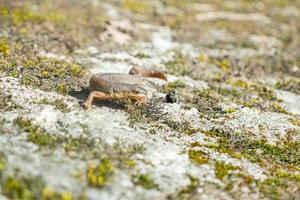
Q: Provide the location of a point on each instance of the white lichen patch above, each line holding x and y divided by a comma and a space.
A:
250, 168
210, 16
25, 157
270, 125
290, 100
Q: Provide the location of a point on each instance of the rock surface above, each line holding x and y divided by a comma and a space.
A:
232, 133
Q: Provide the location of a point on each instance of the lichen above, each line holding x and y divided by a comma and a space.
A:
43, 139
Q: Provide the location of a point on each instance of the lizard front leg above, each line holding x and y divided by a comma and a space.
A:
139, 99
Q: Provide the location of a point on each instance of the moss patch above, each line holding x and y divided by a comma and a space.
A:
43, 139
7, 103
222, 169
45, 73
59, 104
291, 85
4, 48
99, 175
30, 188
189, 189
287, 152
173, 86
141, 7
198, 157
145, 181
207, 103
179, 66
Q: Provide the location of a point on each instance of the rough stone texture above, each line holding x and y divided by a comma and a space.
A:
233, 134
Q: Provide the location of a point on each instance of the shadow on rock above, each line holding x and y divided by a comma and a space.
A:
83, 94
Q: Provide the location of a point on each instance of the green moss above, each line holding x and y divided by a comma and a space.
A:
147, 115
281, 174
26, 188
136, 6
2, 164
198, 157
277, 186
224, 64
250, 94
291, 85
5, 64
253, 88
189, 189
36, 134
179, 65
41, 72
49, 194
80, 143
57, 75
138, 113
173, 86
184, 127
240, 83
30, 188
141, 55
59, 104
207, 103
22, 15
7, 103
145, 181
278, 108
222, 169
40, 137
288, 153
230, 110
256, 149
130, 163
295, 121
99, 175
4, 47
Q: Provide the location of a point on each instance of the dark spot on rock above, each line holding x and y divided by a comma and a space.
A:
172, 97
